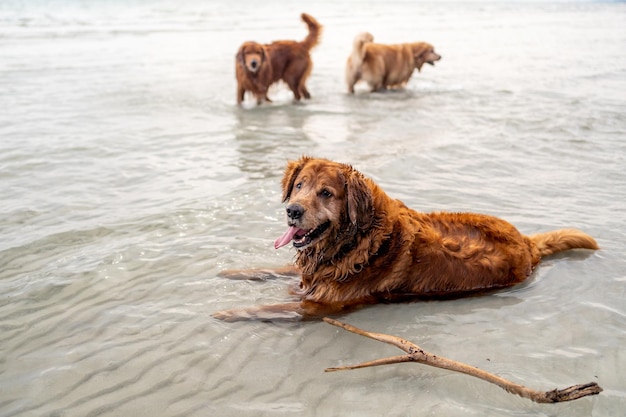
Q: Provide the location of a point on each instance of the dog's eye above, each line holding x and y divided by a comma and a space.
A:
325, 193
299, 185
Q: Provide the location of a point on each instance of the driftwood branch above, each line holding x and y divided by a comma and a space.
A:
417, 354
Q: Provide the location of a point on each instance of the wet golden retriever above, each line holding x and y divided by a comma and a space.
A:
386, 66
358, 246
258, 66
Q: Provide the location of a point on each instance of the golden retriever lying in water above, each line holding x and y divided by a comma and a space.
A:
357, 246
386, 66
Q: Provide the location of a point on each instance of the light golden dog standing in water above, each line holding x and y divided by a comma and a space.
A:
386, 66
358, 246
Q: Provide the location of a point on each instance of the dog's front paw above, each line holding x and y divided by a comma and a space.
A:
260, 274
236, 314
226, 315
277, 312
245, 274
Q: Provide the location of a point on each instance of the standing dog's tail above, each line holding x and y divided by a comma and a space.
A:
358, 52
555, 241
315, 30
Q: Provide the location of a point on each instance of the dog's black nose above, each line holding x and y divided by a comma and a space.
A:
253, 64
295, 211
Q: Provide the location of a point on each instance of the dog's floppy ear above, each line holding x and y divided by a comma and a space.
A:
239, 58
360, 200
291, 172
265, 72
419, 50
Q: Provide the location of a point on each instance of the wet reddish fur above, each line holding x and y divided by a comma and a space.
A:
379, 250
285, 60
385, 66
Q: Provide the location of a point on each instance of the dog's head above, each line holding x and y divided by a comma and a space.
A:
326, 203
424, 53
251, 56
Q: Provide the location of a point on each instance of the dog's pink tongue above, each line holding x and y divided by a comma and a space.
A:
286, 238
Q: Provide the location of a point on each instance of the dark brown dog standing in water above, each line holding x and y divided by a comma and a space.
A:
386, 66
258, 66
357, 246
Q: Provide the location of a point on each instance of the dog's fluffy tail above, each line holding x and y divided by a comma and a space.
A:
555, 241
315, 30
358, 52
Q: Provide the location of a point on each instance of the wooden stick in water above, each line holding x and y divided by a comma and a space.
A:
417, 354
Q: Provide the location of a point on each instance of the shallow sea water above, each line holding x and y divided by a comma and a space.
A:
129, 179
